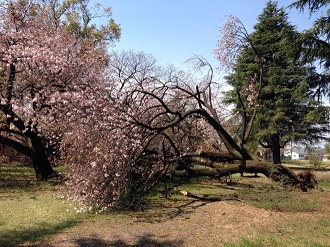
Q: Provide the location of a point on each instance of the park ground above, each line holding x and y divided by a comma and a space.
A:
254, 212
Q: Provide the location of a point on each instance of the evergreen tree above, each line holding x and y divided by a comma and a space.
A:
315, 42
272, 83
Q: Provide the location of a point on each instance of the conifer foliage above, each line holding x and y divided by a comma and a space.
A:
272, 84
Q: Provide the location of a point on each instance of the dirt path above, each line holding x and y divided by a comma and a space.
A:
192, 223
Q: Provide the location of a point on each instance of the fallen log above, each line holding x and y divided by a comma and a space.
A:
203, 166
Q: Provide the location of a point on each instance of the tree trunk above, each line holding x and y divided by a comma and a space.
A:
36, 153
39, 157
41, 164
276, 172
276, 150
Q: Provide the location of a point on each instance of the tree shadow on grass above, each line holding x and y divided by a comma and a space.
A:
21, 179
143, 241
164, 211
11, 238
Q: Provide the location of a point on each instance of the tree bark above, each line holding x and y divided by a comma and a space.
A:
231, 145
36, 153
41, 164
276, 172
276, 150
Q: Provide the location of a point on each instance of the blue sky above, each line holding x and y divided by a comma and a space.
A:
175, 30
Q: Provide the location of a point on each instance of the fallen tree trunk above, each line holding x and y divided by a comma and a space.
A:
204, 166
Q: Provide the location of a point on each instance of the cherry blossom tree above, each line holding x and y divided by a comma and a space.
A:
124, 123
143, 125
41, 57
234, 39
138, 124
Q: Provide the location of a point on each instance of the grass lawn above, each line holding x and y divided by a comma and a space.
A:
31, 210
35, 211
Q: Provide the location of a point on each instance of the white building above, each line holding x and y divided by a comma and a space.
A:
295, 153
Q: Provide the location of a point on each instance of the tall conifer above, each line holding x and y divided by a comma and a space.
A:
286, 108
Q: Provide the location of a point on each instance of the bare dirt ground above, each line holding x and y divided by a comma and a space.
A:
183, 223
